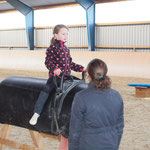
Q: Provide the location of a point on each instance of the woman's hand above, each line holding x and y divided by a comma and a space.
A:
57, 72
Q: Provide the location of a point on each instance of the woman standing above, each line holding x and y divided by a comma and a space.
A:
97, 118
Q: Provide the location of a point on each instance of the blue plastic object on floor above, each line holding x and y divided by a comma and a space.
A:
139, 84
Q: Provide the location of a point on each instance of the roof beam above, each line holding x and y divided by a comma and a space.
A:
109, 1
21, 7
56, 6
89, 6
28, 12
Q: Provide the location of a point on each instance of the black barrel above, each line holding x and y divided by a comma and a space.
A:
18, 96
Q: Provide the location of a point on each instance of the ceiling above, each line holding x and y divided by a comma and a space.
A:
43, 4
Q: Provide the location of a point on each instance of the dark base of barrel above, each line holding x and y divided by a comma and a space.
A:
17, 109
18, 96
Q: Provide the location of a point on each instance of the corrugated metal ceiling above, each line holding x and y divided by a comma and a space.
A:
40, 4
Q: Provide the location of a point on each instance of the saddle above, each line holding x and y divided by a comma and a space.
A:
60, 95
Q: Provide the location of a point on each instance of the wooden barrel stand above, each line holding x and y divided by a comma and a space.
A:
36, 138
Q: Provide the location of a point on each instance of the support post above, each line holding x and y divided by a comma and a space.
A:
89, 6
4, 141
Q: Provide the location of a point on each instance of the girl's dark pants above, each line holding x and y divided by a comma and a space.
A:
47, 89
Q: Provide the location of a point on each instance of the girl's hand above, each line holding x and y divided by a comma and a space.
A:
57, 72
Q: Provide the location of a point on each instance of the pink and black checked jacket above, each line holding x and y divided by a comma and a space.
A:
58, 56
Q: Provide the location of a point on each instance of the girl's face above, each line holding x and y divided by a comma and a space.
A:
62, 35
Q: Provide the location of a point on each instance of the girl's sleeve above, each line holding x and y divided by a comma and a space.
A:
76, 121
76, 67
49, 59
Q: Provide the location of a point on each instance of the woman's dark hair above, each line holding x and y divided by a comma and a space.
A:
97, 70
56, 30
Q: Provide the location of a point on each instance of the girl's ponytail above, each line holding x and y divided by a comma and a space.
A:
52, 40
102, 83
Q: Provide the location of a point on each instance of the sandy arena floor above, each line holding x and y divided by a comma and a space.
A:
137, 115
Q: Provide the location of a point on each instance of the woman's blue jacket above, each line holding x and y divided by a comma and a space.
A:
97, 120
